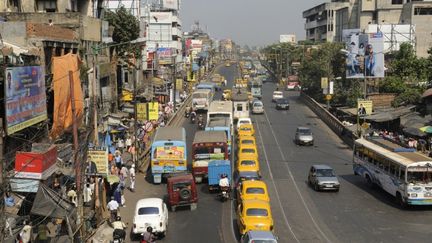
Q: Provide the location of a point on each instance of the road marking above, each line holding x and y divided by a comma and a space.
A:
274, 185
294, 183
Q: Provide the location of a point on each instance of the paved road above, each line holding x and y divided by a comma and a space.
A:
185, 225
355, 214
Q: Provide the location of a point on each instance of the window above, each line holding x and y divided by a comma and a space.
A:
256, 212
397, 1
239, 107
422, 11
148, 210
255, 190
46, 5
247, 162
402, 174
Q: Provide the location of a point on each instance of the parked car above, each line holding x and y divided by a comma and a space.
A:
246, 140
247, 151
304, 136
241, 176
257, 107
277, 95
182, 191
151, 212
248, 163
282, 104
323, 177
258, 236
254, 215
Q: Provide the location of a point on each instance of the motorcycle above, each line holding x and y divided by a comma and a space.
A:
193, 119
201, 125
119, 236
224, 194
187, 114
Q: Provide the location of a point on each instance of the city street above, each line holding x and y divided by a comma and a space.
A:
355, 214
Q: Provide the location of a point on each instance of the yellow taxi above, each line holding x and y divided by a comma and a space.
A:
248, 163
247, 151
253, 190
226, 95
245, 130
246, 141
254, 215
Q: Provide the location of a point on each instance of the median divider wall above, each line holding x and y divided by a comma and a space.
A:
332, 122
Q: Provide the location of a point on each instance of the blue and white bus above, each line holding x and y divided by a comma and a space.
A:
402, 172
168, 152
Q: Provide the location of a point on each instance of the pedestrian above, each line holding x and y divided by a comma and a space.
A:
120, 144
110, 157
123, 176
87, 195
132, 178
43, 232
113, 207
26, 232
128, 142
72, 195
118, 160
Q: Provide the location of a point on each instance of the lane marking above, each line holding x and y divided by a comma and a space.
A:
294, 182
274, 184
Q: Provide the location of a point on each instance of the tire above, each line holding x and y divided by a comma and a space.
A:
185, 194
400, 201
369, 181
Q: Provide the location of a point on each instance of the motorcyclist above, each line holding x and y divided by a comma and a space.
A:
193, 115
224, 182
187, 111
148, 236
119, 228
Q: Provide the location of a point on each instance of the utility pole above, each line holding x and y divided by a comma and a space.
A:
174, 83
2, 184
94, 94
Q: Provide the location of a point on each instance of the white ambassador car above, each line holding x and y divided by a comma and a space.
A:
243, 120
277, 95
151, 212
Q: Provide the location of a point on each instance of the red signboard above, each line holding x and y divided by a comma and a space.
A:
34, 164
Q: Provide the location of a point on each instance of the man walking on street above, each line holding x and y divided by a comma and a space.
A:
113, 208
132, 178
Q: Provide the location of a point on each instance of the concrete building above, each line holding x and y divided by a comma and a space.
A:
359, 14
321, 21
288, 38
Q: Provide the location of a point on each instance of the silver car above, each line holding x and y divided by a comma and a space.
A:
322, 177
304, 136
257, 107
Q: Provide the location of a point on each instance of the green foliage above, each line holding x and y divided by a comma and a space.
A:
126, 29
392, 84
407, 66
409, 96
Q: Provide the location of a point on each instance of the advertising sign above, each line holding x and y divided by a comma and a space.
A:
35, 165
153, 111
98, 159
164, 55
365, 54
179, 84
169, 152
141, 111
364, 107
171, 4
25, 99
324, 83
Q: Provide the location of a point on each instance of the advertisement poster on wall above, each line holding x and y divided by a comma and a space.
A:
141, 112
364, 56
99, 162
153, 111
25, 103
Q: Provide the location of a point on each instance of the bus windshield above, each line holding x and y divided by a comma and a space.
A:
419, 176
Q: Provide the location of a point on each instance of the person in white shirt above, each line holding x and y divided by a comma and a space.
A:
26, 233
87, 194
128, 142
132, 178
113, 207
120, 145
224, 181
72, 195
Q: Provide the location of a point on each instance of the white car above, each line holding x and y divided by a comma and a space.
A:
151, 212
277, 95
242, 121
257, 107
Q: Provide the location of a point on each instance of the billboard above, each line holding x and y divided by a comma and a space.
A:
165, 56
25, 102
153, 111
36, 164
141, 111
364, 107
365, 54
98, 159
171, 4
287, 39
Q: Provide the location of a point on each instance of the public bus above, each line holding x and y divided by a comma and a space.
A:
221, 124
168, 152
256, 89
220, 109
400, 171
240, 99
201, 99
207, 146
207, 86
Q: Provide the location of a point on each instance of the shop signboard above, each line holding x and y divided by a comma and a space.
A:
25, 98
36, 165
99, 159
141, 111
153, 111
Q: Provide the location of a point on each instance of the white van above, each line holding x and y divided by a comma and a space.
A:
201, 99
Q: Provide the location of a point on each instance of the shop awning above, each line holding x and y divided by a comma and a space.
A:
49, 203
389, 114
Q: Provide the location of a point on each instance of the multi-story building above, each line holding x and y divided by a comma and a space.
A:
321, 21
359, 14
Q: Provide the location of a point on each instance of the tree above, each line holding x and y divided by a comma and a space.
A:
126, 29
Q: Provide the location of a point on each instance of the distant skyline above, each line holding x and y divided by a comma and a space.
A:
251, 22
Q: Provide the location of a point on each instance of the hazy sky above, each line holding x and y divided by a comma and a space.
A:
251, 22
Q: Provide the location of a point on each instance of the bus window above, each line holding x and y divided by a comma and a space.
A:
402, 174
392, 169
